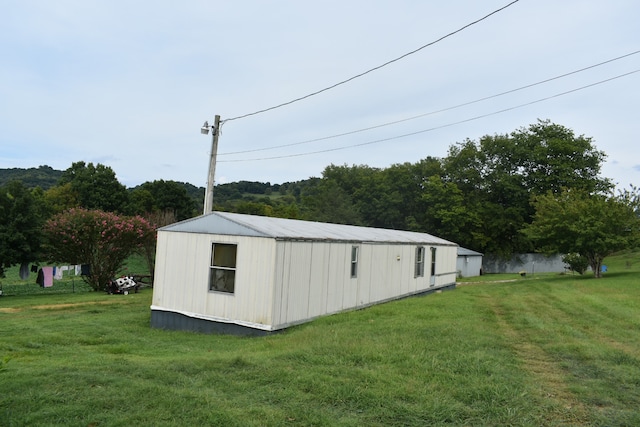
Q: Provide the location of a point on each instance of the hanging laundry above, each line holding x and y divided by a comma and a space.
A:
24, 271
48, 276
40, 278
57, 273
85, 269
34, 268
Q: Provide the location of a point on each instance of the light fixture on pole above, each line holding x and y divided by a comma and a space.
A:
205, 128
215, 130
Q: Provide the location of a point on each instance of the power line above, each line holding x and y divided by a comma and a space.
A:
437, 127
432, 112
374, 68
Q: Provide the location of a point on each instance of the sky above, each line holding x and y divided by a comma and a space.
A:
128, 84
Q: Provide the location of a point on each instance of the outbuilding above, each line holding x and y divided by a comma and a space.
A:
235, 273
469, 263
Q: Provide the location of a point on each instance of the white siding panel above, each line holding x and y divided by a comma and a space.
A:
160, 286
379, 267
340, 292
254, 286
318, 280
279, 294
297, 281
407, 269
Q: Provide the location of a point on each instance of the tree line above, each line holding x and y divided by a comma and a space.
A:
492, 195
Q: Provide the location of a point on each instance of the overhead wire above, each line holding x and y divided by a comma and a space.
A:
372, 69
436, 127
432, 112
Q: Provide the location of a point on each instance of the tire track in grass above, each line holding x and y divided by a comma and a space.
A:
549, 377
562, 313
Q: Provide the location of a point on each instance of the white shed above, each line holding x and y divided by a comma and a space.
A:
469, 263
239, 273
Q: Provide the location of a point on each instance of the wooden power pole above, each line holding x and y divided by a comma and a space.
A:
208, 195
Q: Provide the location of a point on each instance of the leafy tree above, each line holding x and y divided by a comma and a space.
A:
96, 187
592, 225
164, 196
21, 219
328, 202
446, 214
61, 198
101, 239
499, 174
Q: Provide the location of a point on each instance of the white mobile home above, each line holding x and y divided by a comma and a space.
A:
250, 274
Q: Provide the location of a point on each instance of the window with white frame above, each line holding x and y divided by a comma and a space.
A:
354, 261
222, 272
419, 261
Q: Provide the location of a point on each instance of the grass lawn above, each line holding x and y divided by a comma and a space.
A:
552, 350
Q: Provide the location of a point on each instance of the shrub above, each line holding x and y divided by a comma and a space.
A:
103, 240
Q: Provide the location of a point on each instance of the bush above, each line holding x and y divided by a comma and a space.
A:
103, 240
576, 262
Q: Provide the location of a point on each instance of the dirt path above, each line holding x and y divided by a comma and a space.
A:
56, 306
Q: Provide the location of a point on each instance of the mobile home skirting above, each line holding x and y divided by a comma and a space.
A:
181, 321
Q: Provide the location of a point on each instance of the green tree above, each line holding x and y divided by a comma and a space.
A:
103, 240
21, 219
164, 196
499, 174
61, 198
446, 215
96, 187
328, 202
592, 225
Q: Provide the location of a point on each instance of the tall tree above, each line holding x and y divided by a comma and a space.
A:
591, 225
328, 202
165, 196
21, 219
96, 187
499, 174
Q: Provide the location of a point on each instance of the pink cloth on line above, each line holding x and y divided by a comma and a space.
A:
48, 276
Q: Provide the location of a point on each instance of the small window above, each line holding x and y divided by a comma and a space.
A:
222, 273
354, 261
433, 261
419, 261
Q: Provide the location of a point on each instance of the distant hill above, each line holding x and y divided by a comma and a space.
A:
44, 177
226, 196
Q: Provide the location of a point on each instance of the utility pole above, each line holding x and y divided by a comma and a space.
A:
215, 131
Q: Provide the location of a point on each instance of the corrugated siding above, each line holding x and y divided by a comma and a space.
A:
179, 258
182, 277
313, 278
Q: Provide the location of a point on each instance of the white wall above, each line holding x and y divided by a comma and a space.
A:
314, 278
280, 283
182, 278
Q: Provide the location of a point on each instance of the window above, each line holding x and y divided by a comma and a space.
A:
433, 261
222, 273
354, 261
419, 261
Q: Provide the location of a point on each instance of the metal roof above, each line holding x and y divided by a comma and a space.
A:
467, 252
227, 223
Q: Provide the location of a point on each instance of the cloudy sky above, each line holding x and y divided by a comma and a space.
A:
129, 83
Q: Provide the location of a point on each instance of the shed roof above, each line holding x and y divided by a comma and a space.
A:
227, 223
467, 252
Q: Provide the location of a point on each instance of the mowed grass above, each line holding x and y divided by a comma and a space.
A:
554, 350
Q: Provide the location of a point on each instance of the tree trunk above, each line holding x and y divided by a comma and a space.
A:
596, 266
